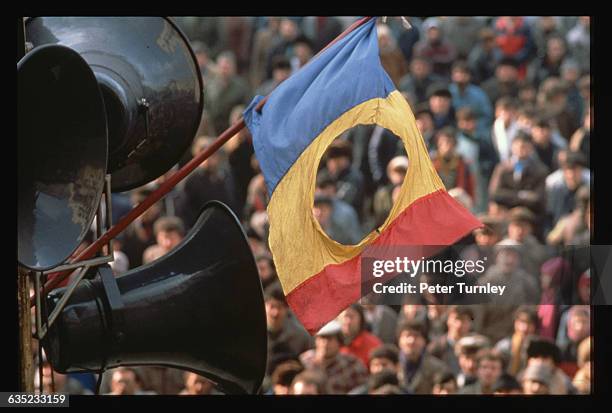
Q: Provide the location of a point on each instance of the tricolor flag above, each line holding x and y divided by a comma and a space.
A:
342, 87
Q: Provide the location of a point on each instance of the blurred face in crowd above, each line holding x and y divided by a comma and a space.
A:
226, 67
168, 239
276, 314
420, 68
439, 105
579, 324
467, 124
506, 73
496, 210
322, 212
281, 74
555, 49
461, 77
412, 344
302, 387
535, 387
489, 371
446, 146
434, 35
519, 230
327, 190
467, 363
488, 43
288, 29
196, 384
523, 325
449, 387
424, 123
397, 175
458, 325
435, 311
547, 23
521, 149
486, 237
571, 75
326, 347
379, 364
528, 95
541, 135
351, 322
124, 382
572, 175
411, 311
265, 269
337, 164
202, 59
303, 52
507, 114
508, 260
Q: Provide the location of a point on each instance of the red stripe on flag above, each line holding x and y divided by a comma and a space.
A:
434, 219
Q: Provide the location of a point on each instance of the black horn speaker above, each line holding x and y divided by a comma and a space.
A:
199, 308
150, 82
61, 154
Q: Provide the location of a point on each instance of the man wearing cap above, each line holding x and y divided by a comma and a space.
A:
436, 48
521, 287
490, 368
521, 229
466, 350
344, 371
417, 367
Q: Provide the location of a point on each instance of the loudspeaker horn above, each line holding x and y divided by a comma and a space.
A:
62, 152
199, 308
150, 82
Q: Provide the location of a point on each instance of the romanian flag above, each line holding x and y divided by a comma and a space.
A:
342, 87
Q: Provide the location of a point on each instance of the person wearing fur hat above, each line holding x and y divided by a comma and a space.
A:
541, 351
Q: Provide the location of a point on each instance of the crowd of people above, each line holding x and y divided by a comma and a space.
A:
504, 107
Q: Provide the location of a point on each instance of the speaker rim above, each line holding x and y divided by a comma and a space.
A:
69, 53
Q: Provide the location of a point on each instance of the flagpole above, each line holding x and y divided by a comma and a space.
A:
57, 278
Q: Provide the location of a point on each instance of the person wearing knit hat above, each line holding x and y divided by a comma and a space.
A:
542, 351
537, 379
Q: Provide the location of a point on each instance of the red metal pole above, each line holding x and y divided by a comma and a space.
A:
170, 183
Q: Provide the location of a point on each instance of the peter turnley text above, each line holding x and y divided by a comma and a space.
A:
463, 288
